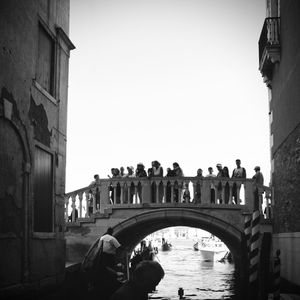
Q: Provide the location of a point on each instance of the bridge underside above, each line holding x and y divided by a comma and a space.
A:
131, 231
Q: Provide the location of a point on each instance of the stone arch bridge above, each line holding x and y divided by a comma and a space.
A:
136, 207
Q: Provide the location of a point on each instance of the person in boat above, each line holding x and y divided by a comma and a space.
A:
108, 276
110, 247
165, 246
143, 280
146, 252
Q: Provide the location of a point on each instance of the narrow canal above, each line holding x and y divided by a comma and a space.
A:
185, 268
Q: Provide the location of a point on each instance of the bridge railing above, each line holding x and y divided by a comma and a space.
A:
133, 192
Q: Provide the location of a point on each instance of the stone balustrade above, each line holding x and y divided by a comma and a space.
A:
130, 192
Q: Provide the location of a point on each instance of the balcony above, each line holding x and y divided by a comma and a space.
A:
269, 48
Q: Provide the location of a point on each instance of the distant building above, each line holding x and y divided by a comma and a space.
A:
279, 63
34, 58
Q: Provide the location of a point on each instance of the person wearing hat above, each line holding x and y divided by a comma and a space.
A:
140, 170
130, 171
259, 182
220, 170
258, 176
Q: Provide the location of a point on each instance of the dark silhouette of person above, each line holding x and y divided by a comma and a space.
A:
178, 173
227, 188
143, 280
71, 215
198, 186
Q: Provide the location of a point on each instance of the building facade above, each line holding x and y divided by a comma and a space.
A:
279, 63
34, 58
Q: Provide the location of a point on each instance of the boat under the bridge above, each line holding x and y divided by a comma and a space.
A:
211, 248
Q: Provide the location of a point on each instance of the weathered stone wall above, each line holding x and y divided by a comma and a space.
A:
286, 182
285, 151
30, 117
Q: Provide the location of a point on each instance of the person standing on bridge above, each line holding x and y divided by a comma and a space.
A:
95, 194
140, 172
156, 171
238, 172
227, 188
258, 176
130, 174
170, 173
199, 176
212, 186
259, 182
178, 173
219, 188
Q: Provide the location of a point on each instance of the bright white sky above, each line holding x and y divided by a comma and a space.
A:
166, 80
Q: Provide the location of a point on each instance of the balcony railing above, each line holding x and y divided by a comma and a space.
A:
269, 45
143, 192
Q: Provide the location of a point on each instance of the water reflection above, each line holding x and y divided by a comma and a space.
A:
185, 268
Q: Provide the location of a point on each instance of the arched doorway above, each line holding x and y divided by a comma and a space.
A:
12, 229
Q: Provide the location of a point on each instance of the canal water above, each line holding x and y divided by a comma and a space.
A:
185, 268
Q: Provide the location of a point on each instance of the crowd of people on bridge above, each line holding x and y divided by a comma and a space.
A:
156, 170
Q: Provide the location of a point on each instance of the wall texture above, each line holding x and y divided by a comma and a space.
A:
32, 118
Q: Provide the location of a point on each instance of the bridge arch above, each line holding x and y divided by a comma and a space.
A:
134, 229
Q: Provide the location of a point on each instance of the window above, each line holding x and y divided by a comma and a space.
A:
45, 63
43, 191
